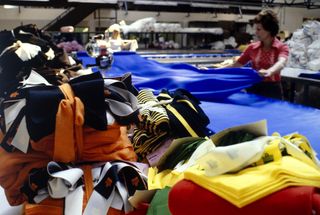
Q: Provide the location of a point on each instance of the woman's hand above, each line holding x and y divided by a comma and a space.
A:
265, 73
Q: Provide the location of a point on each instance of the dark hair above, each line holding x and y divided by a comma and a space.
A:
269, 21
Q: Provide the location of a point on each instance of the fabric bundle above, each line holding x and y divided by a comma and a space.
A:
153, 128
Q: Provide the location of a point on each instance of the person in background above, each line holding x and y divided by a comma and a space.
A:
268, 55
116, 43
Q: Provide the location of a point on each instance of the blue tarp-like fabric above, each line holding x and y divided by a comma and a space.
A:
206, 85
281, 116
236, 109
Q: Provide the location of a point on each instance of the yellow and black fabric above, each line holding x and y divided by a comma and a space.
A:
185, 115
153, 128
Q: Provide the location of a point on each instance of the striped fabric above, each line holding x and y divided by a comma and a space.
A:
154, 128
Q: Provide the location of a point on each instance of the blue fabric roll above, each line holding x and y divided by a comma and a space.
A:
206, 85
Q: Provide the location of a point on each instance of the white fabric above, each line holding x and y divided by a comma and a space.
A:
35, 79
233, 158
50, 54
11, 112
202, 150
63, 182
22, 137
27, 51
73, 202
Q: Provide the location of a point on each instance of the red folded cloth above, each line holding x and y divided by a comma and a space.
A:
187, 197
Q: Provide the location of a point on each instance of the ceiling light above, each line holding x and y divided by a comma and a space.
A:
96, 1
161, 3
204, 5
9, 6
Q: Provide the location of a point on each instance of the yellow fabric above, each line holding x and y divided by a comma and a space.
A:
272, 152
302, 142
161, 180
272, 173
188, 103
254, 183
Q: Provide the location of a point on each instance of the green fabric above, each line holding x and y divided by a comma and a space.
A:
235, 137
181, 153
159, 203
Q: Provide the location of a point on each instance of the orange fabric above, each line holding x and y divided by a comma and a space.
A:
14, 170
71, 142
88, 184
48, 206
68, 130
111, 144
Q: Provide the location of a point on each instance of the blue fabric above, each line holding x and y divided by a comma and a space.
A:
281, 116
206, 85
239, 108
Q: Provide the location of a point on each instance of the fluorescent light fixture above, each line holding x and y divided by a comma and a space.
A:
37, 0
250, 7
159, 3
96, 1
9, 6
205, 5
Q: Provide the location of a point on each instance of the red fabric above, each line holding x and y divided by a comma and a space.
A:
262, 59
187, 198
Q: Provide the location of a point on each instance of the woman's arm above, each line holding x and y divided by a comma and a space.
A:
234, 65
278, 66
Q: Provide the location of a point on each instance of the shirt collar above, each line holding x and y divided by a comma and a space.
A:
276, 44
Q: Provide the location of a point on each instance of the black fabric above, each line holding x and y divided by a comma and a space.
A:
42, 106
107, 184
267, 89
132, 180
43, 102
37, 179
8, 137
90, 89
12, 69
308, 75
235, 137
30, 34
197, 120
182, 153
6, 39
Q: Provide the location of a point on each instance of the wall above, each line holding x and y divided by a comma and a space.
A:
291, 18
11, 18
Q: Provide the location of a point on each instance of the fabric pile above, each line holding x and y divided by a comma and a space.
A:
71, 146
304, 47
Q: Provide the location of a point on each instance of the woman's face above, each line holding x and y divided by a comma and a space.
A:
115, 34
261, 33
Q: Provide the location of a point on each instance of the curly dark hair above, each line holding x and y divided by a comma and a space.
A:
269, 21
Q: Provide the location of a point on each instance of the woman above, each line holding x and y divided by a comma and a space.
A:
116, 43
268, 55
